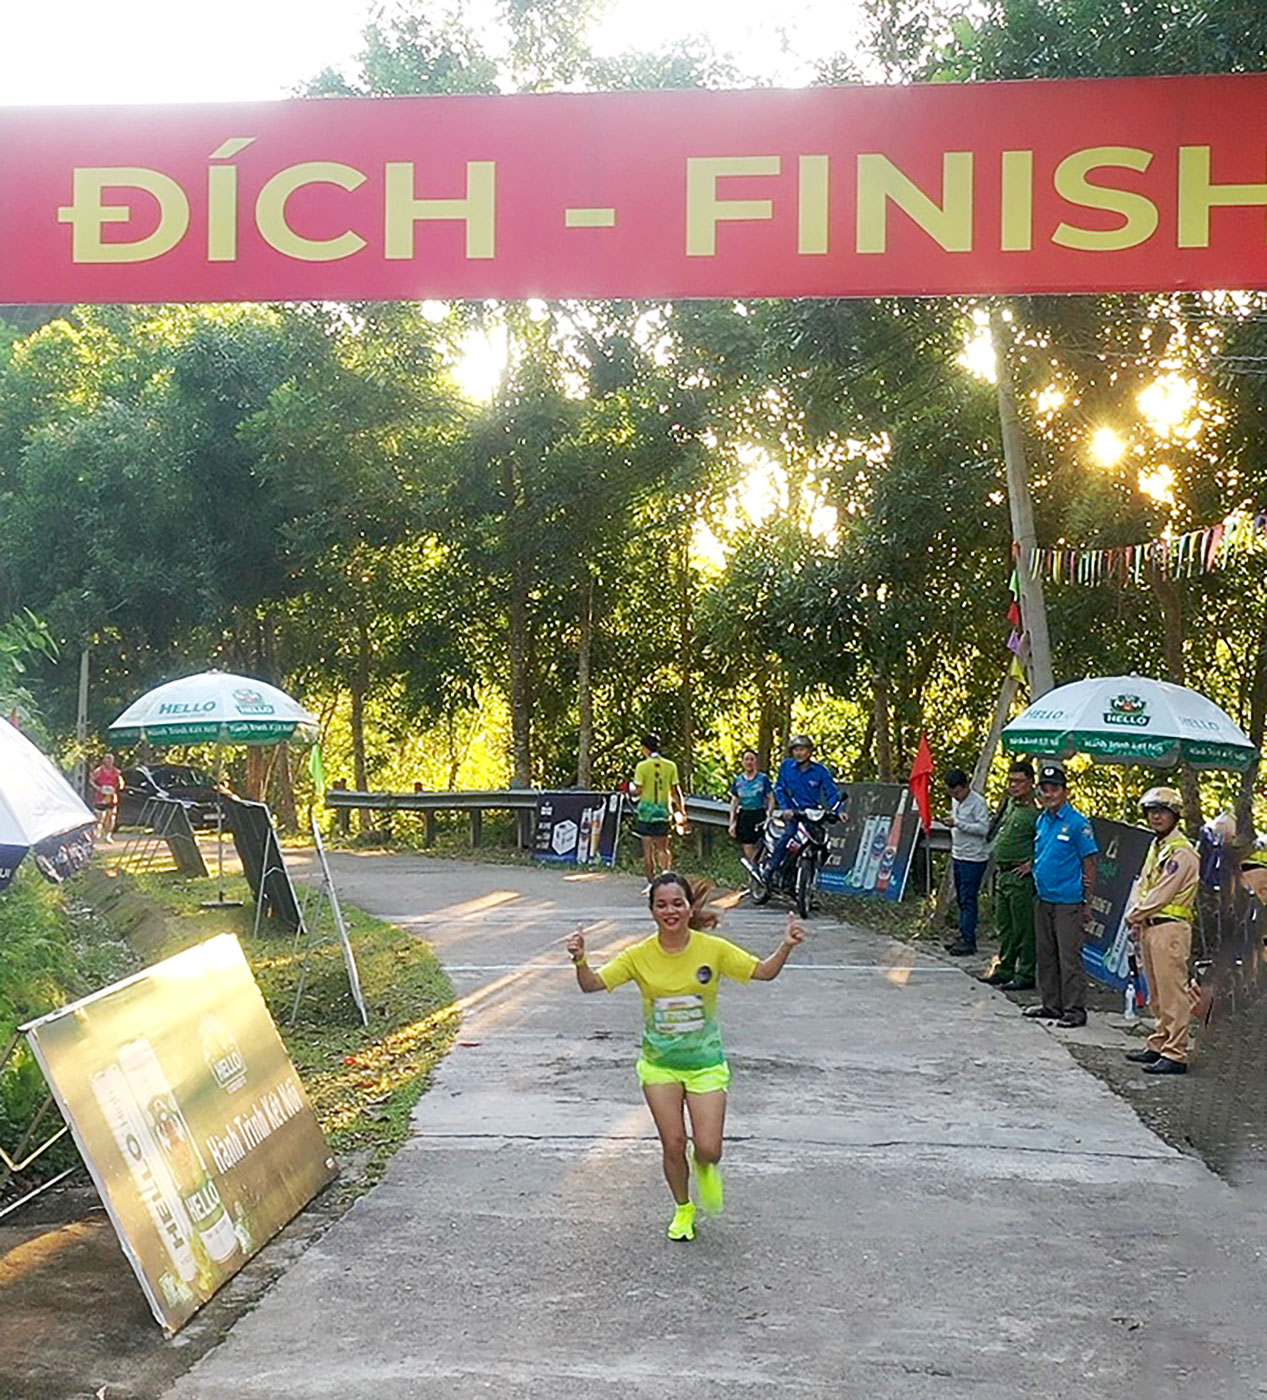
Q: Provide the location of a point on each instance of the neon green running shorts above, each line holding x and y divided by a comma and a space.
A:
694, 1081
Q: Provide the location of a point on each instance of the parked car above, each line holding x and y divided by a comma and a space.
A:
193, 788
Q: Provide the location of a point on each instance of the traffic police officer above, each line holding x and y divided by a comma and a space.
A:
1160, 912
1254, 871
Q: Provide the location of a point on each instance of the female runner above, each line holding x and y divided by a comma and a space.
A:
683, 1065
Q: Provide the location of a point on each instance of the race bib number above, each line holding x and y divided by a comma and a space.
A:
678, 1015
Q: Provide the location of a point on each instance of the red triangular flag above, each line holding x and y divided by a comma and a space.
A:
920, 783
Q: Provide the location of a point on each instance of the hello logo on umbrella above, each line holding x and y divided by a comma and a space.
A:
251, 702
1127, 709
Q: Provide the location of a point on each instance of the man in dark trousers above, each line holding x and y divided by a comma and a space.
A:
969, 823
1065, 852
1013, 853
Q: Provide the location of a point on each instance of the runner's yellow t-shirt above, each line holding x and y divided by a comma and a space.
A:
680, 1029
655, 779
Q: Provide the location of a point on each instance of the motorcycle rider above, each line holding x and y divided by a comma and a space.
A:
802, 783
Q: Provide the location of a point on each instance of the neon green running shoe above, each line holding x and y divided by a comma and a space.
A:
682, 1226
712, 1195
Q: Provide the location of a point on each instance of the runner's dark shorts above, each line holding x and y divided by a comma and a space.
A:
748, 825
655, 830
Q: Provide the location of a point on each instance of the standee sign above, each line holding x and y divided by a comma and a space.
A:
190, 1117
1079, 186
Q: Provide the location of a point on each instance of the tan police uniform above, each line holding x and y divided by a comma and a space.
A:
1254, 872
1161, 910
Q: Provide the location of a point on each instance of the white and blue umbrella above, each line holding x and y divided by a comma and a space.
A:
40, 812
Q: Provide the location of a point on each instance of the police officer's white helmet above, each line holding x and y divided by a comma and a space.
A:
1165, 797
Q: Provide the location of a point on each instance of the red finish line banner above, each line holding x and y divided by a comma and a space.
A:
1085, 186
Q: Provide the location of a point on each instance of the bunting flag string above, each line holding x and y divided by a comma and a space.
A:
1018, 641
1173, 556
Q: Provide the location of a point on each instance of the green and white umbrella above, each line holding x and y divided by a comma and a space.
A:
214, 707
1130, 719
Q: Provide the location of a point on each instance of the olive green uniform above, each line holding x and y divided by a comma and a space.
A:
1014, 890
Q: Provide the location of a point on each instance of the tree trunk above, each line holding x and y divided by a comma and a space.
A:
883, 737
866, 758
454, 755
283, 790
584, 684
686, 658
360, 692
765, 725
266, 659
519, 639
520, 688
256, 774
458, 750
1171, 605
1257, 732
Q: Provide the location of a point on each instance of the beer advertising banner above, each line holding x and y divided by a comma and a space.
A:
577, 828
1105, 953
190, 1117
870, 852
1078, 185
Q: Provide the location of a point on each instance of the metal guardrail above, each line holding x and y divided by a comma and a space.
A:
523, 799
707, 813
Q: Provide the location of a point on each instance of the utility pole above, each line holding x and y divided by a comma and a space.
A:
1033, 607
81, 725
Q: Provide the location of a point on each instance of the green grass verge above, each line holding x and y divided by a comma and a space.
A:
363, 1080
52, 950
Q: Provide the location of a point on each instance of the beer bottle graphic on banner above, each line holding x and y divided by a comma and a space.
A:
875, 854
861, 854
583, 840
889, 858
197, 1190
147, 1166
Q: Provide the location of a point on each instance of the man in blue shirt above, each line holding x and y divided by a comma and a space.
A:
1065, 852
802, 783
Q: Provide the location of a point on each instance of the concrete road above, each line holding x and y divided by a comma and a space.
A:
926, 1197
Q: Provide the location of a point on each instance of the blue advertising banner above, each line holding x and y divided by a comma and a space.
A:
1106, 952
10, 859
870, 850
577, 828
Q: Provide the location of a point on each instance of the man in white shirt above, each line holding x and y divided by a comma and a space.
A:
969, 824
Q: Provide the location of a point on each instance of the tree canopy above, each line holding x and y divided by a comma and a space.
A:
724, 520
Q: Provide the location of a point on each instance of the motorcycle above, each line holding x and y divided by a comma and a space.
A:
805, 855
